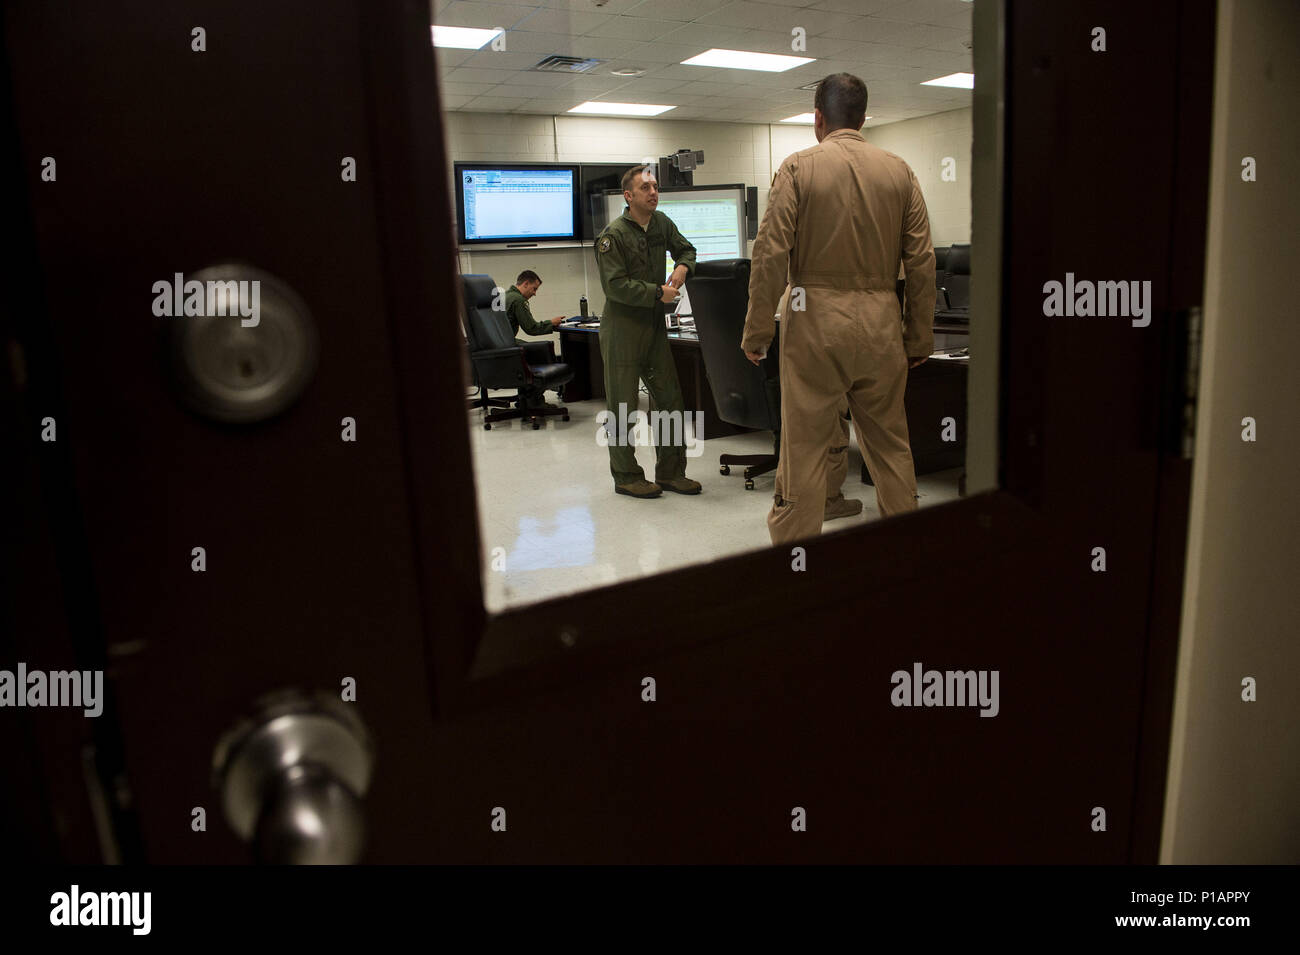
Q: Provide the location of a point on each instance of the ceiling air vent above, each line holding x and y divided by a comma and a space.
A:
567, 64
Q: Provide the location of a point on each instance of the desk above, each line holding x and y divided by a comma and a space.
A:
935, 390
580, 348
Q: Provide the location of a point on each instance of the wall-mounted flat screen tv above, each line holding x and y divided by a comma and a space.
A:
517, 205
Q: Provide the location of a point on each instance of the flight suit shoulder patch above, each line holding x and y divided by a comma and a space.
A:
603, 244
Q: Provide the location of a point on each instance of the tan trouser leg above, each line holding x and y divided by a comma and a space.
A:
881, 420
808, 430
837, 468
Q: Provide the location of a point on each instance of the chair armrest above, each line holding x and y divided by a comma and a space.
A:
501, 367
497, 352
539, 353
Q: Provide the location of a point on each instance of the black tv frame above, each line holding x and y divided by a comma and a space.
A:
458, 169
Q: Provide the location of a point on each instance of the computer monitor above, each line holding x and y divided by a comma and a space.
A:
595, 180
517, 205
712, 218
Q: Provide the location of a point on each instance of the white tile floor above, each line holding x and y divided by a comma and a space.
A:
546, 497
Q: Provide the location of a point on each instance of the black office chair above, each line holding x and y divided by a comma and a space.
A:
940, 258
501, 362
745, 395
953, 303
482, 399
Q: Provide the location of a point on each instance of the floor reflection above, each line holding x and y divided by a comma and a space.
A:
551, 523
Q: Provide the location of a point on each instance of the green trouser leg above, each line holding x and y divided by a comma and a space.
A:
635, 351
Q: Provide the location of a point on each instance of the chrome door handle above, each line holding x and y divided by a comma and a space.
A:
292, 779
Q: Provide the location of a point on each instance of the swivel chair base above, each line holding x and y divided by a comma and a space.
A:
758, 464
535, 415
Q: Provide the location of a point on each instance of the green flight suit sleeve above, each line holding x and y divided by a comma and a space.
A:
521, 316
680, 248
615, 279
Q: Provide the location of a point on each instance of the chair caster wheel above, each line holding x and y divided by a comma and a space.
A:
487, 426
564, 417
749, 484
724, 469
536, 424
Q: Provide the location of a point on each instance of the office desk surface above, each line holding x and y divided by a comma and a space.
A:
581, 350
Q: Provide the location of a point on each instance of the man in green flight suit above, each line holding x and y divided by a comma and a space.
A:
521, 316
630, 254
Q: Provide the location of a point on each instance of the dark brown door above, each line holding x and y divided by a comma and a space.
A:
329, 560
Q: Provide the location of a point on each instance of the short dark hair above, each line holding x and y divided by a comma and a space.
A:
528, 275
633, 173
842, 98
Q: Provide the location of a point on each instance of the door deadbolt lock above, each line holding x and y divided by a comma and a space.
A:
250, 353
292, 779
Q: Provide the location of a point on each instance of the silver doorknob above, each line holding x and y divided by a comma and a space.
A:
239, 370
292, 778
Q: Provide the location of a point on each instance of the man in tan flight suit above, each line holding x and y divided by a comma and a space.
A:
839, 218
837, 464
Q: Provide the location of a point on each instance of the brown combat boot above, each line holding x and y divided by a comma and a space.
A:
641, 488
841, 506
681, 485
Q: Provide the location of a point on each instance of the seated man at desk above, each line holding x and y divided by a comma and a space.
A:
517, 310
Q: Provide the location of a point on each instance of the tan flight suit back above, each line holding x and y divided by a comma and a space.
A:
840, 217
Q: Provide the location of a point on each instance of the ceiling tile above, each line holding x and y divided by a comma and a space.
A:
647, 84
522, 90
707, 37
636, 28
447, 59
860, 7
575, 22
503, 60
466, 89
682, 10
469, 13
462, 75
930, 37
610, 6
890, 44
493, 103
925, 11
660, 52
875, 29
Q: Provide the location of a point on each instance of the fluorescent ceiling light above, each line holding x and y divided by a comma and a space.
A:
744, 60
621, 109
963, 81
809, 118
462, 38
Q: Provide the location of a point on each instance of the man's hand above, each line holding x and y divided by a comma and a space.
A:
754, 356
912, 363
669, 294
557, 320
678, 278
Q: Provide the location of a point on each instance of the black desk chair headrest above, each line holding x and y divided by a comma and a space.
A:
958, 262
723, 269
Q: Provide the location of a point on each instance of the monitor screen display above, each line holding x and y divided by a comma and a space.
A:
519, 203
712, 218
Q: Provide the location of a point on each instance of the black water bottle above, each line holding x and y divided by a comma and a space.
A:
582, 306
